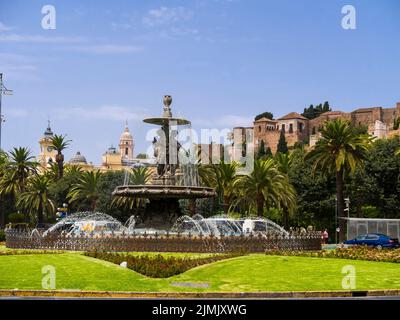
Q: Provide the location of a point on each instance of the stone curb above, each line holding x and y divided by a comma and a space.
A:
199, 295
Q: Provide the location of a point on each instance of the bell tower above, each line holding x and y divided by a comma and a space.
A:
126, 144
47, 154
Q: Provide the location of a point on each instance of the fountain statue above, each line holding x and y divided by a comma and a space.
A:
172, 181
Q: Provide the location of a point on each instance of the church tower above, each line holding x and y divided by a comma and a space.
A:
47, 154
126, 144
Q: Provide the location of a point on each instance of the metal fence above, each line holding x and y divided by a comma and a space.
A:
359, 226
164, 243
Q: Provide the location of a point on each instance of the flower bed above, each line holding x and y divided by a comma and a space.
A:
355, 253
158, 266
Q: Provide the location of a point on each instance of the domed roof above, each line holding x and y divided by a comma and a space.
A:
78, 158
126, 135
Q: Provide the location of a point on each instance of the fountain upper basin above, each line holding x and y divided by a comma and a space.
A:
164, 191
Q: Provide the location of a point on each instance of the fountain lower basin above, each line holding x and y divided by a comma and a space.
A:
164, 191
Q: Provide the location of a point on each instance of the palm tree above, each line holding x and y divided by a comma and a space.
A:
222, 177
87, 188
339, 150
60, 143
266, 186
283, 161
36, 199
140, 175
23, 164
3, 169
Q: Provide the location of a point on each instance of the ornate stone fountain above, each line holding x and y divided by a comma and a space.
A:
172, 181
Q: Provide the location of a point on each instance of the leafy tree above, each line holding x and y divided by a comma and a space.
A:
382, 177
396, 123
282, 145
3, 198
60, 143
60, 188
313, 112
339, 150
267, 115
141, 156
36, 199
315, 194
87, 188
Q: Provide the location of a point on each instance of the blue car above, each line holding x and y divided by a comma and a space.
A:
376, 240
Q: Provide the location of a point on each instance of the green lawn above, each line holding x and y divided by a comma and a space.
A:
256, 272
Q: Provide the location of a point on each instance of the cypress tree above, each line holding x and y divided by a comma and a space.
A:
282, 145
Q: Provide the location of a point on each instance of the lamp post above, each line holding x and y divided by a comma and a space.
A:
5, 91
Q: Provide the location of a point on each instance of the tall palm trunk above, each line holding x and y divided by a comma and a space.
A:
285, 218
2, 215
340, 204
60, 164
260, 205
40, 214
94, 205
226, 204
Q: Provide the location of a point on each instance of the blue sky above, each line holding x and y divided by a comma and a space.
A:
222, 61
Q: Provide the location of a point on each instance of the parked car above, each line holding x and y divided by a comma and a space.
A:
376, 240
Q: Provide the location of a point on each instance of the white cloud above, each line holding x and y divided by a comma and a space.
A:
38, 38
111, 112
18, 67
108, 49
3, 27
165, 15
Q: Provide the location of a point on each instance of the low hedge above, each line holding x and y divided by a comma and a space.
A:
354, 253
158, 266
24, 252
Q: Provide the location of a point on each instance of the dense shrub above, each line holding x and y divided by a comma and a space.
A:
16, 217
354, 253
158, 266
2, 236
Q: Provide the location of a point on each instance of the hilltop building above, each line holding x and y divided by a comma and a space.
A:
380, 122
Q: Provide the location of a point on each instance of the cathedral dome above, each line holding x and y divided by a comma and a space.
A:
78, 158
126, 135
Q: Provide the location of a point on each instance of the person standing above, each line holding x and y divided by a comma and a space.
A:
325, 236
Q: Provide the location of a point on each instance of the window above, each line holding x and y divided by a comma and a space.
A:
126, 151
259, 128
372, 237
291, 128
313, 130
283, 128
300, 127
